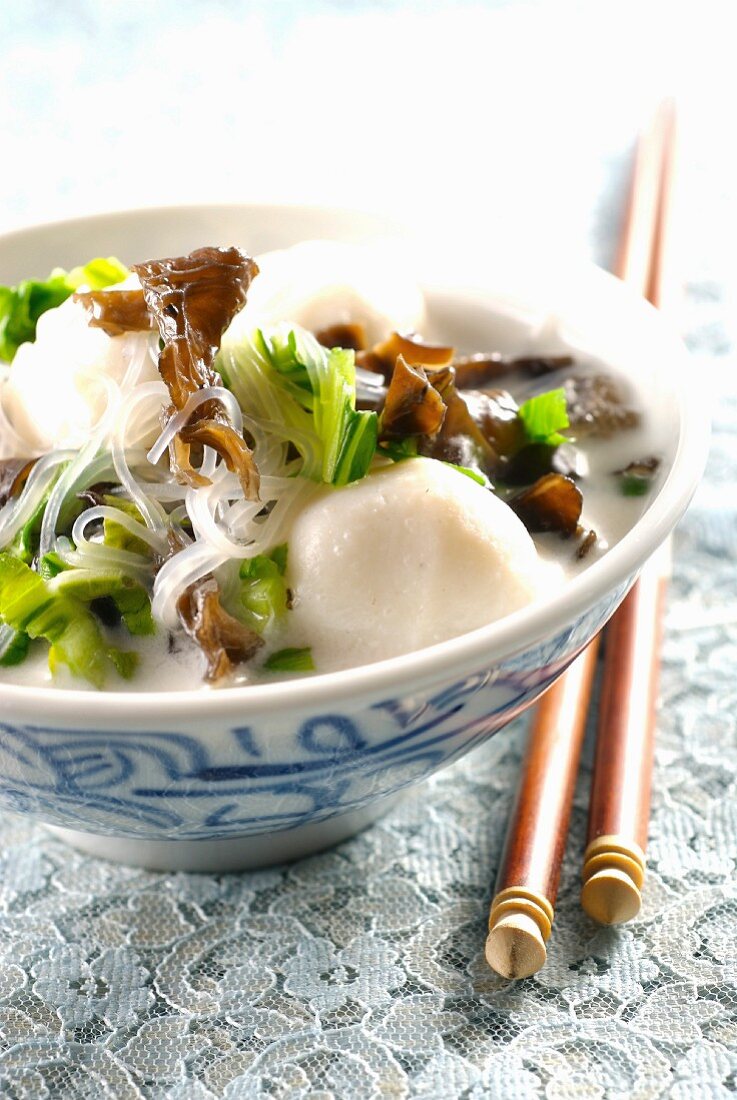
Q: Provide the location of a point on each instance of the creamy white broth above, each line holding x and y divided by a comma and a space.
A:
173, 663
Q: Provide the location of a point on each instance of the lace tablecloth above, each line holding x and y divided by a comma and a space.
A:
359, 973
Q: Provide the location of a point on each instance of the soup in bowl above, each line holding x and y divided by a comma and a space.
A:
294, 514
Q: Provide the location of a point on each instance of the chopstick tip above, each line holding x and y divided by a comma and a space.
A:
515, 947
520, 921
613, 874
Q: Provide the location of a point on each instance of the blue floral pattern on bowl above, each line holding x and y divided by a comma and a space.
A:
248, 780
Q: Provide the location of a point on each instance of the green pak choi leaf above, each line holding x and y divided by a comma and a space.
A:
87, 585
544, 416
290, 660
13, 648
307, 396
23, 304
262, 598
28, 604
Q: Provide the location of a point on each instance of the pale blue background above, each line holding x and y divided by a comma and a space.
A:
501, 114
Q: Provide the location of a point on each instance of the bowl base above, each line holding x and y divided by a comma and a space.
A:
230, 854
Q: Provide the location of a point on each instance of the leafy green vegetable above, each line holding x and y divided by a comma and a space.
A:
307, 395
97, 274
20, 308
263, 592
475, 475
633, 486
134, 605
636, 479
279, 556
544, 416
399, 449
29, 604
51, 565
87, 585
25, 543
118, 536
290, 660
22, 305
15, 650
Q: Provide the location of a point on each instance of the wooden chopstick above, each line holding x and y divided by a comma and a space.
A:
521, 914
619, 807
646, 233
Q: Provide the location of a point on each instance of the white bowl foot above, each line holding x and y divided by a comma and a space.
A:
231, 854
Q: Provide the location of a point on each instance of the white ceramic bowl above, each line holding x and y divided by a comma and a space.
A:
248, 776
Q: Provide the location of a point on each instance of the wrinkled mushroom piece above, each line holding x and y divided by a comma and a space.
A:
13, 476
349, 335
535, 460
382, 357
460, 440
477, 371
553, 503
211, 427
413, 406
225, 641
597, 406
636, 478
193, 299
495, 413
588, 541
116, 311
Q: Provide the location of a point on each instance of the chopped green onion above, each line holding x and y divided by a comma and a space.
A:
475, 475
636, 479
279, 556
290, 660
262, 598
399, 449
631, 485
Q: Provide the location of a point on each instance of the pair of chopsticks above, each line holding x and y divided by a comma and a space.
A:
521, 915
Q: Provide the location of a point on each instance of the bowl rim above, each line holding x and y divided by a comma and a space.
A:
459, 656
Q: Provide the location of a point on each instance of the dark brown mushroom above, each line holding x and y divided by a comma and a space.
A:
495, 413
636, 479
640, 467
98, 493
116, 311
597, 406
413, 406
589, 539
460, 439
351, 335
193, 299
13, 476
225, 641
477, 371
553, 503
534, 460
382, 357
